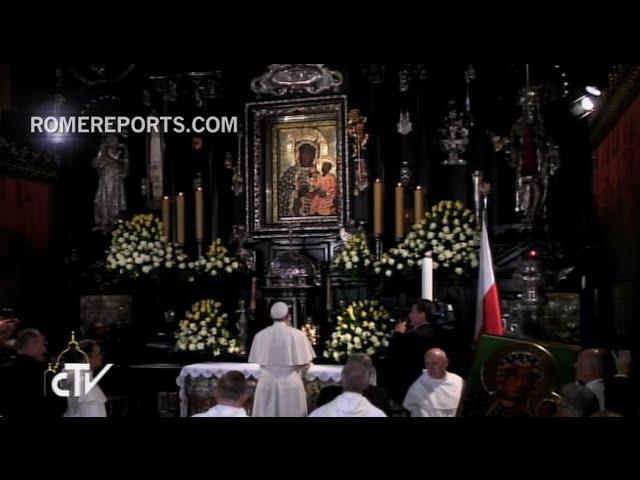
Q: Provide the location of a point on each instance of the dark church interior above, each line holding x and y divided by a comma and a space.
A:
482, 218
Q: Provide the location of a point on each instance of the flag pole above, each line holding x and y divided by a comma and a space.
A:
488, 308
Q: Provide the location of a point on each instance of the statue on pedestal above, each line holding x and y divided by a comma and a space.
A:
112, 165
247, 256
535, 157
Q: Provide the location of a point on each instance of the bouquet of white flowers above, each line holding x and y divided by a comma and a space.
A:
355, 258
206, 329
364, 327
138, 247
448, 231
217, 261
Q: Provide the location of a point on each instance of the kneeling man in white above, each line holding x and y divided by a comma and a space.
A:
231, 396
355, 380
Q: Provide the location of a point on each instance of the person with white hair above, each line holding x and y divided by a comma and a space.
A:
356, 377
375, 395
284, 355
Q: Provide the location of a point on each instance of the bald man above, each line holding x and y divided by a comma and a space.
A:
590, 372
613, 394
284, 355
437, 392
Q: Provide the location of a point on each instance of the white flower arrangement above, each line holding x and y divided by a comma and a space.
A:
217, 261
311, 331
138, 248
448, 231
363, 327
355, 258
206, 329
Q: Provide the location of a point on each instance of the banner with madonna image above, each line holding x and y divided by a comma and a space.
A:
517, 378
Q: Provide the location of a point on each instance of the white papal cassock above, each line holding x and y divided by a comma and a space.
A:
90, 404
282, 353
430, 397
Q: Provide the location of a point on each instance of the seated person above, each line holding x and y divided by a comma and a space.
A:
437, 392
351, 403
231, 395
577, 401
377, 396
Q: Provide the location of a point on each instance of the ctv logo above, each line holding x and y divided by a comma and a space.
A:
81, 378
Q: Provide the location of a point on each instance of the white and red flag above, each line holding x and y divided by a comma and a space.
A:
488, 310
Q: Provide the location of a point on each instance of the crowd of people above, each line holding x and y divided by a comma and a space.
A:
419, 384
420, 381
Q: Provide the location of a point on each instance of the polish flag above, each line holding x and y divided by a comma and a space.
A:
488, 311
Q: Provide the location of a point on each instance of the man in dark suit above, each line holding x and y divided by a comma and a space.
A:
23, 391
407, 348
619, 393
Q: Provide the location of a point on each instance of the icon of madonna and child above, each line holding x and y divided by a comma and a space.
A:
309, 187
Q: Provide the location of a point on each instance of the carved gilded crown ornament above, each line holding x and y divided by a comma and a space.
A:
297, 78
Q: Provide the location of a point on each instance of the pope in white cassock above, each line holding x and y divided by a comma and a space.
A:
284, 355
437, 392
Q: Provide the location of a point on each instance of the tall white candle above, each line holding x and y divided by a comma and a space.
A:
427, 278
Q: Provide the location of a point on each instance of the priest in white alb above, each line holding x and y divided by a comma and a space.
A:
284, 355
437, 392
356, 377
231, 396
